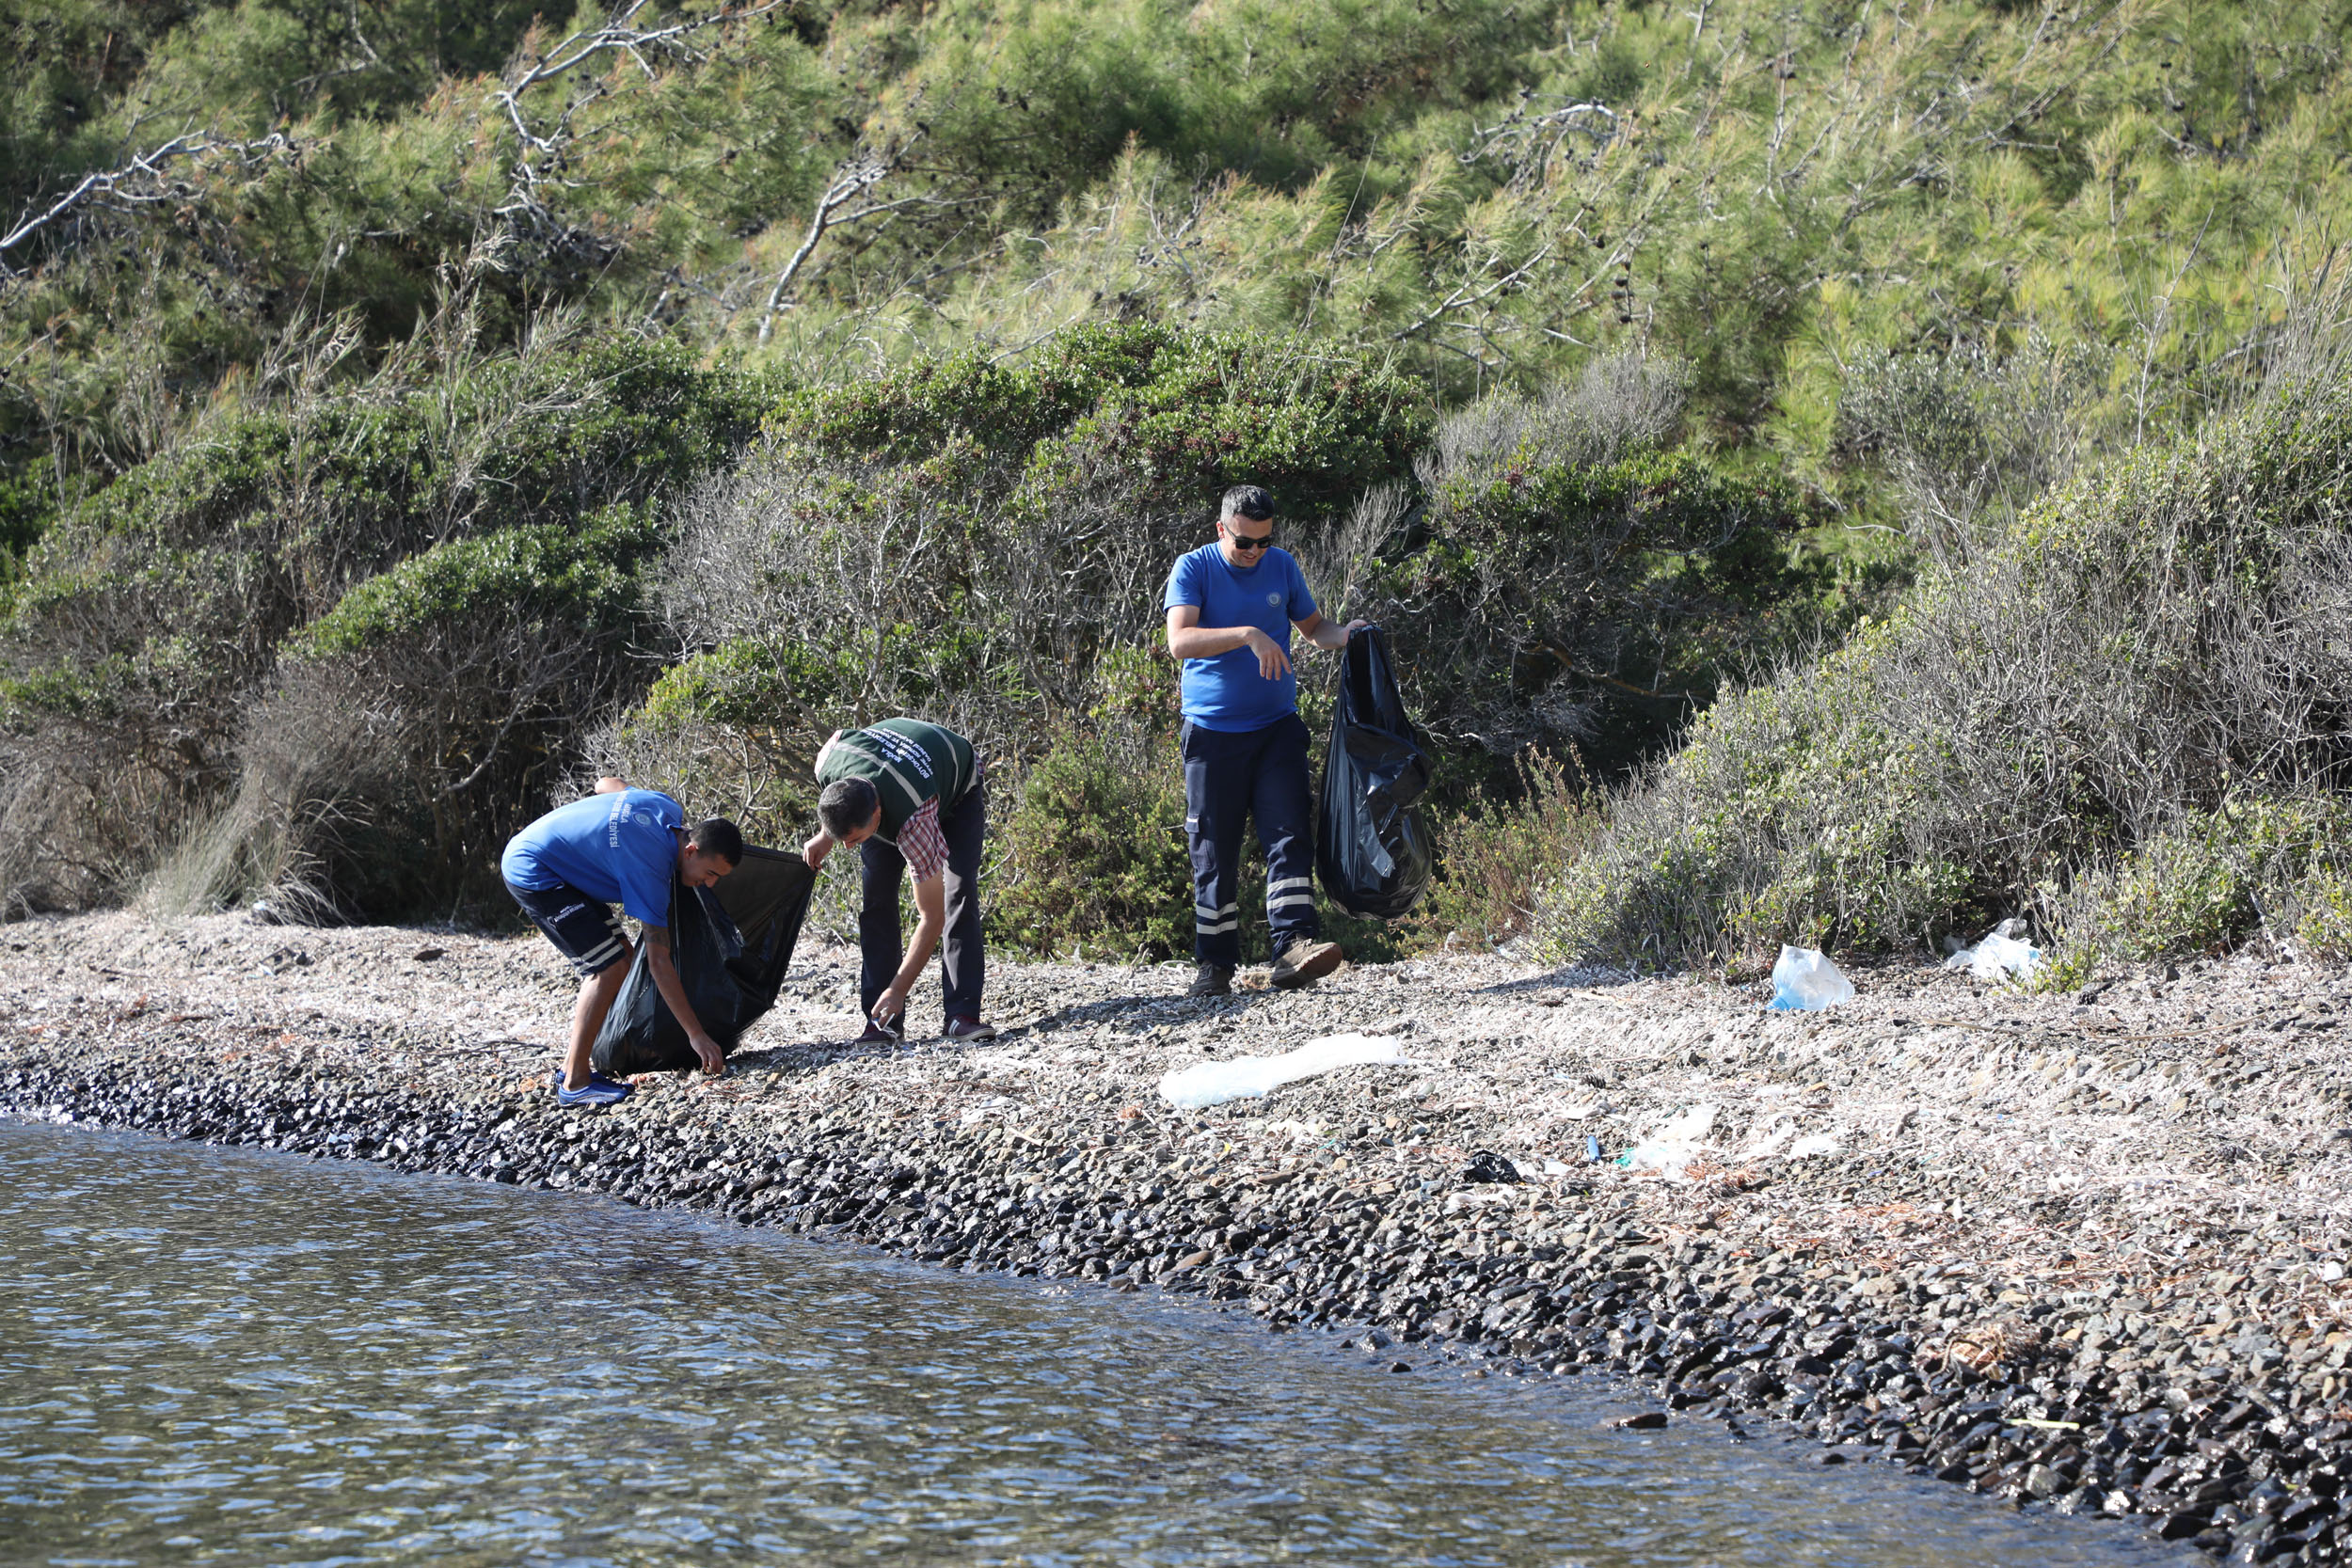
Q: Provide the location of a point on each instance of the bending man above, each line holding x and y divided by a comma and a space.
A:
909, 795
619, 845
1231, 606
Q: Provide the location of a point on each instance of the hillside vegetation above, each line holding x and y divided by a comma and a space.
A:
405, 409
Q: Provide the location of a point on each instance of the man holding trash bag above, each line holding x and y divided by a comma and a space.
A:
619, 845
1231, 607
909, 796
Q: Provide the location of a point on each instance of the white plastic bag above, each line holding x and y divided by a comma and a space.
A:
1252, 1077
2000, 957
1673, 1143
1805, 981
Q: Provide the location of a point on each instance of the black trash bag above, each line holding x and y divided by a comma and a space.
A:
1487, 1169
1372, 839
732, 943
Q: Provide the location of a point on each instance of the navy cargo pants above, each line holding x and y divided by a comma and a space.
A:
1262, 774
962, 956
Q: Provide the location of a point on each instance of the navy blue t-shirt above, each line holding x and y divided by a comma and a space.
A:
1227, 692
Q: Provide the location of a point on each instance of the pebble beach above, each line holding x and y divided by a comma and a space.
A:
2082, 1251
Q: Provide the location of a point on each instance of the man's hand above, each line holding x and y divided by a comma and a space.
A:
816, 850
1273, 663
890, 1006
714, 1061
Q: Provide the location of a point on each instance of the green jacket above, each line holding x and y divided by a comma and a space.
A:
907, 761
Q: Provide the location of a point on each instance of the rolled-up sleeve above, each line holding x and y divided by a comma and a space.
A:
922, 844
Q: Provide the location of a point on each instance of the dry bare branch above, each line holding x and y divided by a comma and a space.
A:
541, 150
143, 181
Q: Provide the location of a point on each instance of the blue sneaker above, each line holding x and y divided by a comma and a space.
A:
598, 1090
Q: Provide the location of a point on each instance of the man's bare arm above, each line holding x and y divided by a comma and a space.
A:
1323, 634
930, 924
1188, 639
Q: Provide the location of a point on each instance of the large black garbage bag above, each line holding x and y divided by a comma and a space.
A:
1372, 841
732, 943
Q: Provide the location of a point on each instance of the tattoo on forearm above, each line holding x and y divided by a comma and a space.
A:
658, 936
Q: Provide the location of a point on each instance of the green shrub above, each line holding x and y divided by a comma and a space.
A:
2322, 906
1093, 852
414, 727
428, 526
1497, 859
974, 542
2160, 643
1090, 855
1570, 580
564, 582
2259, 865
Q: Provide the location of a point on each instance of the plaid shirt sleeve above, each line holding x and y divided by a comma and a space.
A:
922, 844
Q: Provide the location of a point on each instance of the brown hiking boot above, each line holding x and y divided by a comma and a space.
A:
1303, 963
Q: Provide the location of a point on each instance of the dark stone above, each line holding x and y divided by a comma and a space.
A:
2183, 1525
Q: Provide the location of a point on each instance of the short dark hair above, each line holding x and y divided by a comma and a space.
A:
716, 835
846, 805
1247, 500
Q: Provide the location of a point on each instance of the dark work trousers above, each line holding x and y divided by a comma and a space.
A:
962, 961
1262, 774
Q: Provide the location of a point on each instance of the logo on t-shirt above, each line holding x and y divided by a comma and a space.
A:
898, 748
1274, 597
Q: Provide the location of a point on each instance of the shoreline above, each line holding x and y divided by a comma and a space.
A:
2088, 1250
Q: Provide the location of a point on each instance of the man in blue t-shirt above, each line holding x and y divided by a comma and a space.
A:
1231, 606
619, 845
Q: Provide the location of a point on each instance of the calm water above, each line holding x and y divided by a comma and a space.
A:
211, 1356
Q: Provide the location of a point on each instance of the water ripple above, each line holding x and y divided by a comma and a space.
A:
222, 1356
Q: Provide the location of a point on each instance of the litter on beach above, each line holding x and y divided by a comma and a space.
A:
1805, 981
1769, 1139
1206, 1083
1673, 1143
2000, 957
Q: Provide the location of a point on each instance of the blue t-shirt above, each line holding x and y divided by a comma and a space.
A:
620, 848
1227, 692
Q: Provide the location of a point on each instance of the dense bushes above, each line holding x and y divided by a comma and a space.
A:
2128, 719
1567, 576
156, 617
974, 542
1094, 851
1494, 191
1603, 354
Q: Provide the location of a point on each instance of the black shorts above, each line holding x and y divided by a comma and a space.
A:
584, 929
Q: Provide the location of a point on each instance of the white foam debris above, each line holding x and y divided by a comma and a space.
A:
1769, 1139
1205, 1084
1675, 1142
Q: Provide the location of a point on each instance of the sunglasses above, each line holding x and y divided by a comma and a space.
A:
1243, 542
